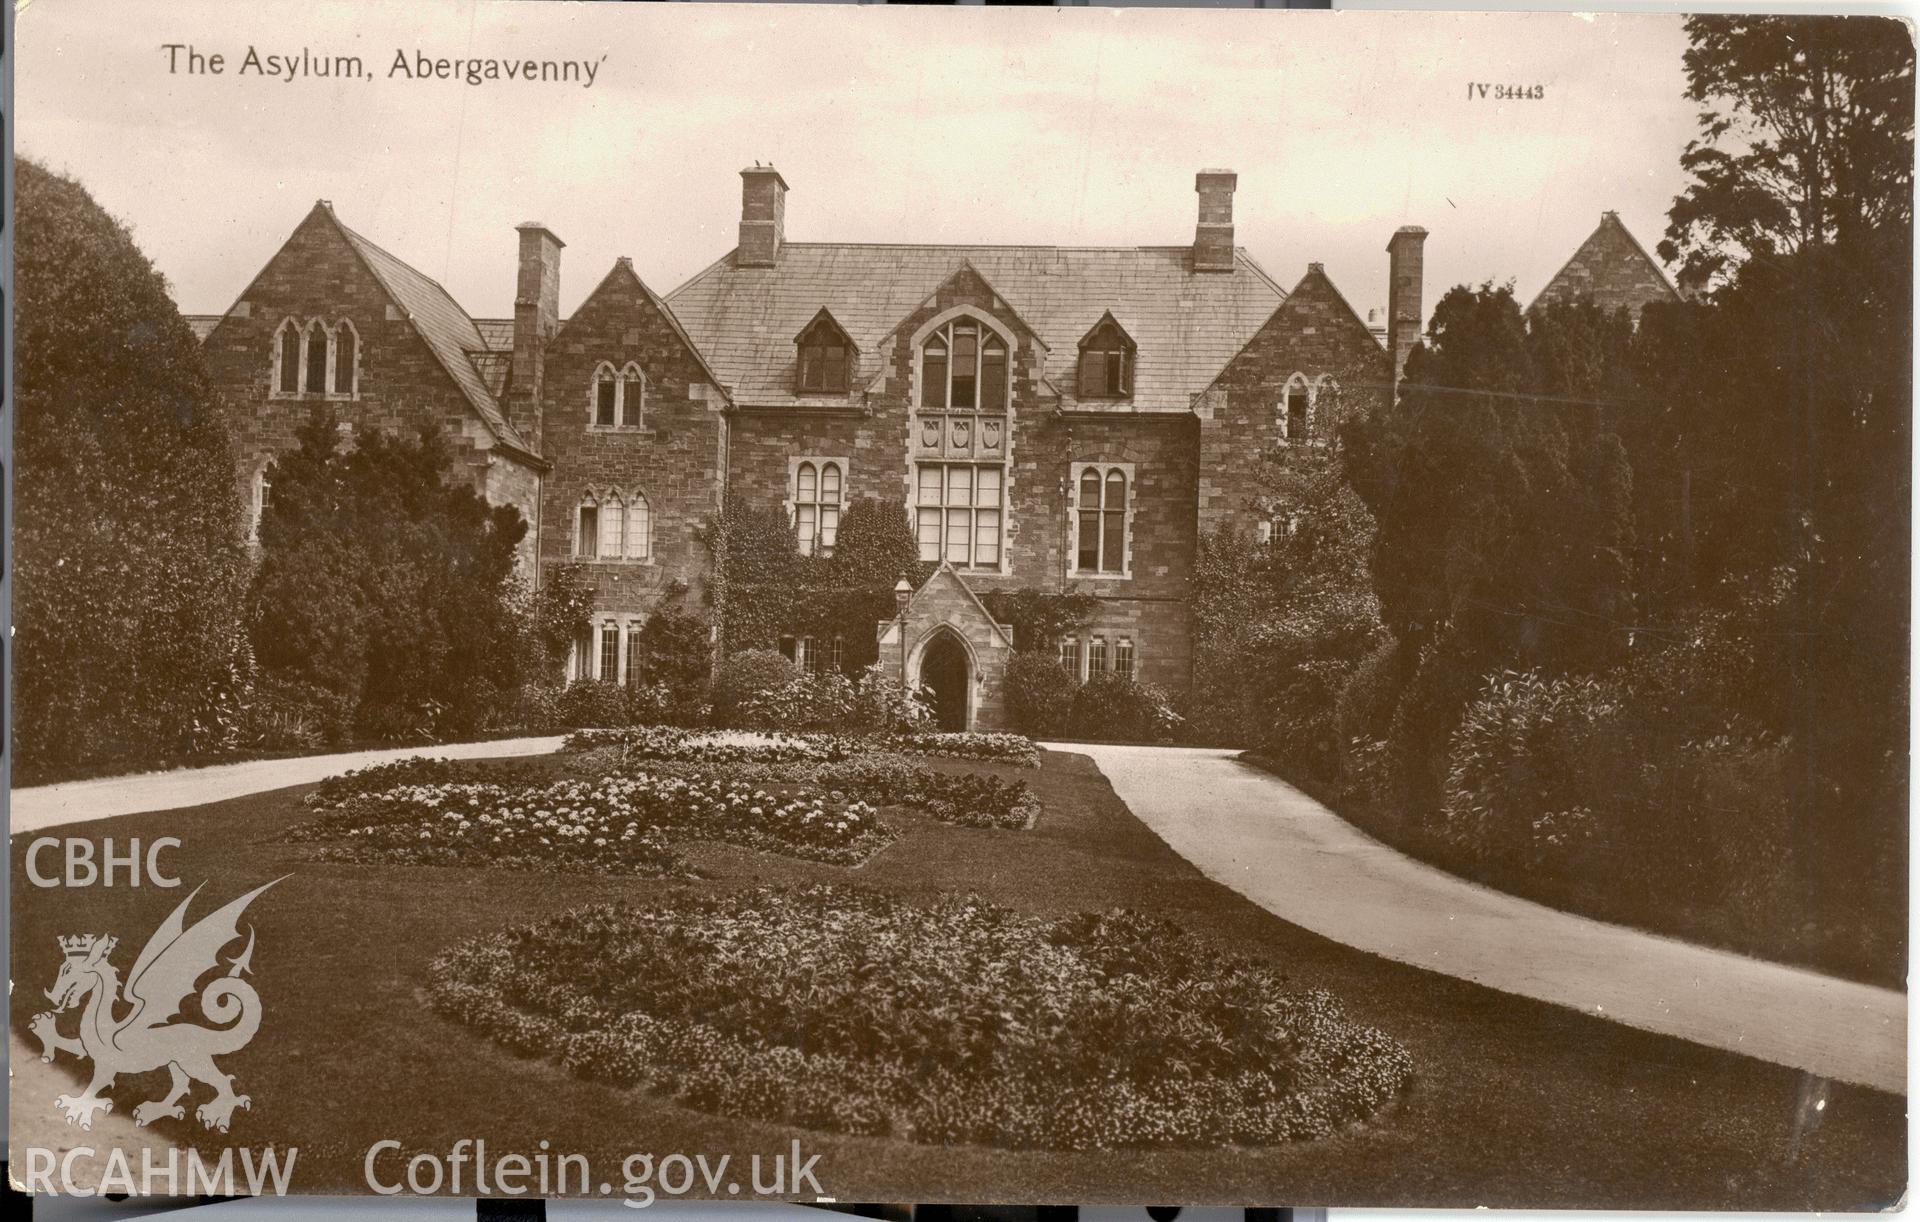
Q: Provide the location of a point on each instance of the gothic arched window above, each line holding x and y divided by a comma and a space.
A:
287, 359
964, 365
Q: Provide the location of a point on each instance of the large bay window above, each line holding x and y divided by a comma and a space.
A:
957, 514
963, 364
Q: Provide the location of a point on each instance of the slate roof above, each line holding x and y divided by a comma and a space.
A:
1185, 324
497, 332
623, 266
493, 368
447, 329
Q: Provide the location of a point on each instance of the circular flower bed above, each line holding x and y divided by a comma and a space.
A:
961, 1022
615, 824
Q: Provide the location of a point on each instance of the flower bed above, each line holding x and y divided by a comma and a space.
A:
419, 770
1008, 748
964, 798
614, 824
962, 1022
706, 746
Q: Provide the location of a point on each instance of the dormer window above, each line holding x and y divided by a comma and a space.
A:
825, 359
619, 397
1106, 361
964, 365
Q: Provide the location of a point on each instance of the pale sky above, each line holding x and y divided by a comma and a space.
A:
1052, 126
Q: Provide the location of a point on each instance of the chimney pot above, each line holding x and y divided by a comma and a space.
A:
1213, 233
763, 216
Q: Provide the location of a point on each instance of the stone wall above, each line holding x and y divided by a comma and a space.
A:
401, 384
873, 433
943, 604
1314, 334
674, 458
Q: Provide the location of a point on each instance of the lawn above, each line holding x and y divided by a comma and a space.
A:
1512, 1102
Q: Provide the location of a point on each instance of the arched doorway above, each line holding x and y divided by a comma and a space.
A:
943, 669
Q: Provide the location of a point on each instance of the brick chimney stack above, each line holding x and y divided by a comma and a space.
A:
763, 216
1405, 257
1213, 235
536, 316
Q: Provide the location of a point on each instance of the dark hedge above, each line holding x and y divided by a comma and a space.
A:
129, 566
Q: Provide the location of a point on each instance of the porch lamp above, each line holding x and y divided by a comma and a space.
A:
901, 593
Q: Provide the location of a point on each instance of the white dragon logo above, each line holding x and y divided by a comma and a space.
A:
145, 1038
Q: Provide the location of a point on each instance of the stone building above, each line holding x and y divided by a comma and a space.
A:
1064, 419
1612, 270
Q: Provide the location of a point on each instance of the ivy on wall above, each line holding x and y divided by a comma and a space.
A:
764, 589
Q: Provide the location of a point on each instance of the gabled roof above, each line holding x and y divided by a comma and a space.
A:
1104, 320
831, 321
946, 574
1611, 268
1315, 283
624, 264
448, 330
1186, 324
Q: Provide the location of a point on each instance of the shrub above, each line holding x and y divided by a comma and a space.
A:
1365, 707
1039, 694
559, 612
803, 702
676, 655
1091, 1031
286, 715
384, 581
593, 702
130, 569
1116, 707
883, 705
1531, 761
1441, 680
746, 676
1736, 828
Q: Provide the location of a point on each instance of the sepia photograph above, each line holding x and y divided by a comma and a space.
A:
997, 606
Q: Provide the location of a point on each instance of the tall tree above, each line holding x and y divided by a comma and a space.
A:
387, 584
1503, 503
1799, 219
127, 533
1805, 139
